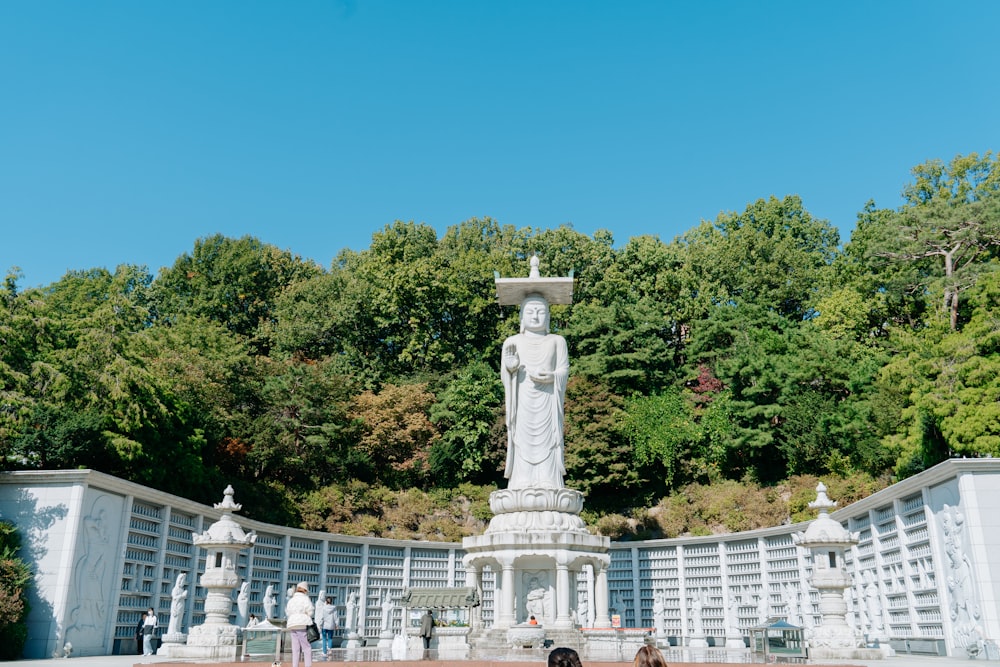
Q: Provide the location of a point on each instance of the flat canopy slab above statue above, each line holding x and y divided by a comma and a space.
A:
512, 291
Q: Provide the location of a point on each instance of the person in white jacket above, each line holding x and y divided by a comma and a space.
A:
149, 632
299, 613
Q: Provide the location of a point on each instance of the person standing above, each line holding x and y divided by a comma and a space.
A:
138, 634
299, 613
148, 632
564, 657
649, 656
329, 622
427, 630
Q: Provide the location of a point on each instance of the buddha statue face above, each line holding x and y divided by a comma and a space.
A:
535, 315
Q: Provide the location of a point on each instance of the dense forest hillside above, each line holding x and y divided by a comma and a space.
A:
714, 377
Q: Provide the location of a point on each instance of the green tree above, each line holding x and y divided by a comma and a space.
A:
314, 318
627, 332
392, 316
26, 374
774, 254
774, 372
471, 252
948, 385
231, 281
466, 414
396, 433
870, 292
632, 347
405, 287
599, 459
56, 437
662, 430
302, 435
951, 217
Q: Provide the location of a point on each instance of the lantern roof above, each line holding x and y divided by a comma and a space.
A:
226, 531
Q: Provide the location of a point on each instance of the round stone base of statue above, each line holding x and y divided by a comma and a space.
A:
517, 510
175, 638
545, 521
566, 501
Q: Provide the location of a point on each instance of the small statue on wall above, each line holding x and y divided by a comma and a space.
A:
270, 602
177, 597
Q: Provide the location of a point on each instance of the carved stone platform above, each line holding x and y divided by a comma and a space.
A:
526, 636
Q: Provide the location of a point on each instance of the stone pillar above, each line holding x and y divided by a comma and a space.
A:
591, 606
472, 580
506, 616
602, 619
563, 619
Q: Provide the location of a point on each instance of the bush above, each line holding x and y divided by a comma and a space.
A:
673, 515
15, 576
843, 490
614, 526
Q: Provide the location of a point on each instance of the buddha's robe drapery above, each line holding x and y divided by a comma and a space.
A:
535, 412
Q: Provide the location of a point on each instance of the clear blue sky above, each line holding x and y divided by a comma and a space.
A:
130, 129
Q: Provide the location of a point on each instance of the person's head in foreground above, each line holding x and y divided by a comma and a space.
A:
649, 656
564, 657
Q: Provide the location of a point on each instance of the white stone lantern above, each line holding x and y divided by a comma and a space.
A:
828, 540
224, 540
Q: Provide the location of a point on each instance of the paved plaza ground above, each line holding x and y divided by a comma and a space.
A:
736, 658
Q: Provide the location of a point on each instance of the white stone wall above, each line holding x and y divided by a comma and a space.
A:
104, 550
49, 517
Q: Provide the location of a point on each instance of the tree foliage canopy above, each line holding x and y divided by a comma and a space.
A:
750, 350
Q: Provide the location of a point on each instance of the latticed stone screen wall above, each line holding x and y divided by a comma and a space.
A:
912, 538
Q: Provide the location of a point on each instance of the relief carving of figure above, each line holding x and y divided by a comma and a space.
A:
733, 629
536, 600
873, 605
963, 606
792, 601
91, 576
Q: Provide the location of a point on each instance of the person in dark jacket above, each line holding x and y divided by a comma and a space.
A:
427, 629
138, 634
